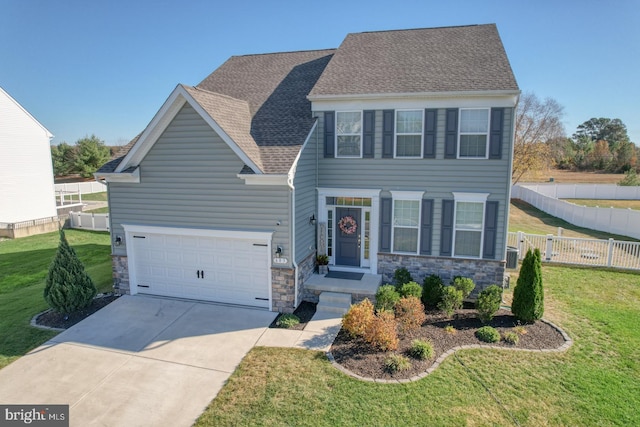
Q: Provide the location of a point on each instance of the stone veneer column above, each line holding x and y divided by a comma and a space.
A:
282, 289
120, 274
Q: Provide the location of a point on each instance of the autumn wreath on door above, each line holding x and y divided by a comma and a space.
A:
348, 225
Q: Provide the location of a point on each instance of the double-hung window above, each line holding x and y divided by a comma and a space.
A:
474, 133
406, 221
468, 224
409, 133
349, 133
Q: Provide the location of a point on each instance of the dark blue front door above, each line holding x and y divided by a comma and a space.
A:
347, 236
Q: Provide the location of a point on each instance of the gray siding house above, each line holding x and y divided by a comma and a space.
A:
394, 149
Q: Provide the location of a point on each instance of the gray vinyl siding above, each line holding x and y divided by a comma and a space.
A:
189, 179
305, 201
438, 177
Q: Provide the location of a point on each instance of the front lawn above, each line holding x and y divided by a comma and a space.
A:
23, 268
596, 382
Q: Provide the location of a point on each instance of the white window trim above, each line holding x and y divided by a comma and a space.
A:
412, 196
338, 156
471, 198
395, 136
460, 133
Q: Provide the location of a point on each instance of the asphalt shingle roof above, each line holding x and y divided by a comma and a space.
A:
261, 101
447, 59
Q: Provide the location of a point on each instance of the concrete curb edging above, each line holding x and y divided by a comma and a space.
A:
568, 342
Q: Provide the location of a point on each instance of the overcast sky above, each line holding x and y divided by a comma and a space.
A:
84, 67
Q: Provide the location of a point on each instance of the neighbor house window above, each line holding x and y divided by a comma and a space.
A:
349, 134
409, 133
468, 224
474, 133
406, 221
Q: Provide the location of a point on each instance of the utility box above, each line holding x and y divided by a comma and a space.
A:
512, 257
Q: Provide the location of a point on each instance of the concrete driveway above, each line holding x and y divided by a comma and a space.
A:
140, 361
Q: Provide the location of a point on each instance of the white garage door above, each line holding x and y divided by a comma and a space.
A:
212, 268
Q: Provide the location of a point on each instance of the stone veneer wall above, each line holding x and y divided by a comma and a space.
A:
120, 274
282, 289
305, 270
483, 272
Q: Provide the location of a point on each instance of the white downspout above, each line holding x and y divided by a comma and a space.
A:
293, 241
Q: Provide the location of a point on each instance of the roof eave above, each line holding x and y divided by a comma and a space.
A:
411, 95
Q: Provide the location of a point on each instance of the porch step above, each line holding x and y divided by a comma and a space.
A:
334, 302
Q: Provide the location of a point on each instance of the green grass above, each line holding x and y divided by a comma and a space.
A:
603, 203
24, 264
526, 218
104, 210
99, 197
595, 382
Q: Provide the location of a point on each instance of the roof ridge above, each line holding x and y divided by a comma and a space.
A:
331, 49
424, 28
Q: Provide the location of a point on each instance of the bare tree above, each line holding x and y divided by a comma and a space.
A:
537, 123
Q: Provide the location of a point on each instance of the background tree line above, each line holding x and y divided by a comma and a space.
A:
83, 158
599, 144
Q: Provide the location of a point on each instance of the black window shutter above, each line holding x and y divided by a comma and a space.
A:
368, 134
388, 119
490, 230
329, 133
426, 231
446, 229
451, 134
385, 224
430, 119
495, 135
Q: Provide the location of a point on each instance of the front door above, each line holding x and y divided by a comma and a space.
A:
348, 236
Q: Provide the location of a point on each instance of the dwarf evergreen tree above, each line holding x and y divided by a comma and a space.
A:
68, 286
528, 295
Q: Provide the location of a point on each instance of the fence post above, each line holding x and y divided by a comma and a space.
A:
519, 244
610, 256
549, 250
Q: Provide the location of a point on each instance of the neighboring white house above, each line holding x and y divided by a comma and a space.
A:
26, 173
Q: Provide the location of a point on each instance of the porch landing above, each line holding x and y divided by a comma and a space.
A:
366, 287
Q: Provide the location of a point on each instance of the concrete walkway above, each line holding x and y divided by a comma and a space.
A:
145, 361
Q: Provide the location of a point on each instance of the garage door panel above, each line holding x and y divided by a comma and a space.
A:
235, 270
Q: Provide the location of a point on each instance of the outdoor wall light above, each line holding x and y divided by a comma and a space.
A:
278, 251
118, 241
312, 219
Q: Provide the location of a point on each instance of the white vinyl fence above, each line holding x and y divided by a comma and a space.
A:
625, 222
81, 187
89, 221
573, 250
585, 191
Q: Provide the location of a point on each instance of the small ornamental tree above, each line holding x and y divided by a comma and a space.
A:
68, 286
528, 295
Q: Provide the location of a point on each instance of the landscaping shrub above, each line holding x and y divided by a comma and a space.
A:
401, 276
520, 330
528, 295
450, 329
464, 284
421, 349
68, 287
357, 319
396, 363
432, 291
488, 334
412, 289
287, 321
489, 302
451, 300
511, 338
409, 314
381, 332
386, 297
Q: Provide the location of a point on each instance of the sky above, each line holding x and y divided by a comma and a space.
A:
105, 67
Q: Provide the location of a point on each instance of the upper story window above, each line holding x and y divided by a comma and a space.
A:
409, 133
474, 133
349, 133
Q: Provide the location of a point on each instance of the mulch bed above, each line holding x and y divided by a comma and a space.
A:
358, 356
305, 312
53, 319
